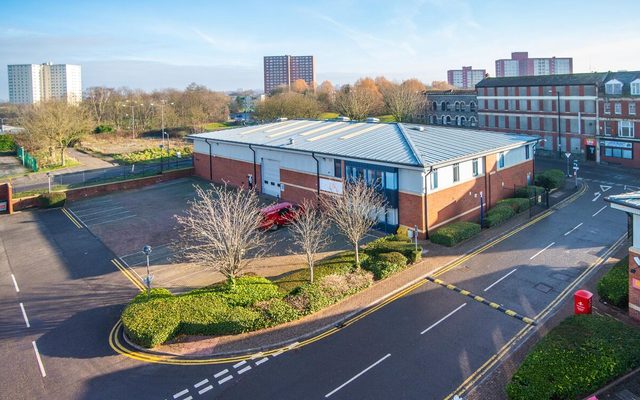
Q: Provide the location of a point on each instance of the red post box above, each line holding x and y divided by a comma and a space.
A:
582, 302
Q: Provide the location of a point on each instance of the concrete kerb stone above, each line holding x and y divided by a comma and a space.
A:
497, 233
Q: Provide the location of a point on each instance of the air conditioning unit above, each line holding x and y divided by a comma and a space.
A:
373, 120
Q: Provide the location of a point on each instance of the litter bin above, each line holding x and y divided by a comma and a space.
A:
582, 302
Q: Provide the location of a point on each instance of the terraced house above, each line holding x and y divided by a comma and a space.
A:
429, 175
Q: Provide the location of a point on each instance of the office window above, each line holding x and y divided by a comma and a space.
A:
434, 179
501, 160
527, 154
618, 153
626, 129
607, 108
635, 87
337, 168
617, 108
632, 108
474, 166
456, 172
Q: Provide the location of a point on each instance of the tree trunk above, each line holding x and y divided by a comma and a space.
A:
311, 272
357, 257
62, 156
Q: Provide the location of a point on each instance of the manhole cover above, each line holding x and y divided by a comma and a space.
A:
543, 288
561, 277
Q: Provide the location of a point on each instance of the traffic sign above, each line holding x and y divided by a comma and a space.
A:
568, 155
575, 168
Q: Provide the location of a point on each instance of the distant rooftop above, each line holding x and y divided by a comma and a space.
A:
590, 78
394, 143
631, 200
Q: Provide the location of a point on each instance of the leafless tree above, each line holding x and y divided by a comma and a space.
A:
221, 229
354, 212
355, 102
289, 105
309, 228
97, 99
402, 101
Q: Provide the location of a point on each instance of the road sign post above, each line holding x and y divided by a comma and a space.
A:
575, 171
568, 155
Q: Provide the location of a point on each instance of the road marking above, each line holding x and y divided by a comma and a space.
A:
245, 369
293, 345
576, 227
604, 188
128, 275
277, 353
35, 348
442, 319
188, 398
597, 196
599, 211
205, 390
99, 217
114, 220
202, 382
500, 280
76, 223
264, 360
540, 252
223, 380
240, 364
24, 314
15, 283
182, 393
357, 376
102, 211
219, 374
76, 217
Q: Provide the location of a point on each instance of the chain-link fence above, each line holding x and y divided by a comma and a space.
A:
27, 159
103, 175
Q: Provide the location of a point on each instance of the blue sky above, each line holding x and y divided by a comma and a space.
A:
159, 44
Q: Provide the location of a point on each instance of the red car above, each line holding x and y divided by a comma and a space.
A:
277, 215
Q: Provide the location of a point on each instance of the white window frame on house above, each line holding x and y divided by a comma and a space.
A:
607, 107
617, 108
501, 160
527, 152
474, 167
434, 179
632, 108
635, 87
614, 86
456, 173
626, 129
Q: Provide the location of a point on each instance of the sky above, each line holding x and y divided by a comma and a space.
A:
219, 43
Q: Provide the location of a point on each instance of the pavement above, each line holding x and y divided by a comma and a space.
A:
10, 166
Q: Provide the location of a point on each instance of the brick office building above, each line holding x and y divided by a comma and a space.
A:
430, 176
451, 107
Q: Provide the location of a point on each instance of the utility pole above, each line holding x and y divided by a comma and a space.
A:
133, 122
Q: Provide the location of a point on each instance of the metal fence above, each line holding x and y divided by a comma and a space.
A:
103, 175
27, 159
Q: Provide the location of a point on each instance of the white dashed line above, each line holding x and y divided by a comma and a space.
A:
24, 314
223, 380
293, 345
197, 385
599, 211
188, 398
576, 227
245, 369
277, 353
15, 283
44, 374
182, 393
219, 374
262, 361
442, 319
205, 390
240, 364
500, 280
357, 376
540, 252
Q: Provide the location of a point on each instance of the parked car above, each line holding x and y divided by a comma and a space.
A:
277, 215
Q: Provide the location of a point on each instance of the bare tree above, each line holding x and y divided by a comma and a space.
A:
97, 99
221, 229
355, 102
402, 101
309, 228
354, 212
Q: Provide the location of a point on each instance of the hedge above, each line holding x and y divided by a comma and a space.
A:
392, 244
576, 358
53, 199
551, 179
614, 285
498, 215
383, 269
7, 143
454, 233
517, 204
395, 258
529, 191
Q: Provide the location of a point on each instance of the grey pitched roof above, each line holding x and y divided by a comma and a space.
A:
590, 78
393, 143
625, 77
631, 200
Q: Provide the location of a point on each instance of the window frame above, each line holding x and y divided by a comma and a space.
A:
456, 172
501, 157
475, 171
434, 179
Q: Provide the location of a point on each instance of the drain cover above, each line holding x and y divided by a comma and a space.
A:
561, 277
543, 288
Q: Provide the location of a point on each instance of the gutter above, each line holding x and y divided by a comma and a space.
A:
317, 173
255, 174
210, 160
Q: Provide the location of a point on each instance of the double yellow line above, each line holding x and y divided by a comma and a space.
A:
493, 360
72, 218
129, 275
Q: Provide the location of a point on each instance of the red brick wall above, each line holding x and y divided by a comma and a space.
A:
294, 184
451, 202
24, 203
512, 176
411, 209
224, 169
634, 293
633, 163
5, 195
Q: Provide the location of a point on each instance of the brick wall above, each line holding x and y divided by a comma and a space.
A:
634, 284
225, 170
512, 176
298, 186
453, 202
411, 209
633, 163
5, 195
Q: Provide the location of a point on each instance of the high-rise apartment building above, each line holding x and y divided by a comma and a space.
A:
284, 70
465, 78
521, 65
33, 83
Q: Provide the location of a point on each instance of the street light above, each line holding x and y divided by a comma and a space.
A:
162, 157
559, 129
147, 280
162, 104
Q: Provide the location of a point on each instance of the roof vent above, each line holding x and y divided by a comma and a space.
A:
373, 120
418, 128
291, 141
343, 119
281, 119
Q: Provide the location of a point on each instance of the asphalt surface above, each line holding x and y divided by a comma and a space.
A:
421, 346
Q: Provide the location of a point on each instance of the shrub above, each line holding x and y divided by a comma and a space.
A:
248, 290
387, 245
277, 311
382, 269
576, 358
402, 232
103, 128
614, 285
154, 293
550, 179
517, 204
150, 323
498, 215
7, 143
529, 191
416, 255
341, 263
454, 233
395, 258
328, 290
53, 199
152, 154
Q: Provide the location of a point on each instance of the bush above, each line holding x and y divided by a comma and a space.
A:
416, 256
550, 179
103, 128
312, 297
454, 233
248, 290
614, 285
7, 143
53, 199
517, 204
394, 258
382, 269
390, 244
277, 311
498, 215
341, 263
576, 358
402, 232
152, 154
529, 191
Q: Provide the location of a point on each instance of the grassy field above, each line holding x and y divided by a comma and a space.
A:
216, 126
328, 115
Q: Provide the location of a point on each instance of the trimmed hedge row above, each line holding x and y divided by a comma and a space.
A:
550, 179
53, 199
517, 204
576, 358
529, 191
498, 215
454, 233
614, 285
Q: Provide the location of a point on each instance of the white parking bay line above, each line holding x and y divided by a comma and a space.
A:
576, 227
223, 380
98, 217
357, 376
219, 374
540, 252
262, 361
599, 211
500, 280
205, 390
175, 396
245, 369
24, 314
442, 319
113, 220
35, 348
240, 364
202, 382
15, 283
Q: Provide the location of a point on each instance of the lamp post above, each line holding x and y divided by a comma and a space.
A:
558, 116
147, 250
2, 124
162, 158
